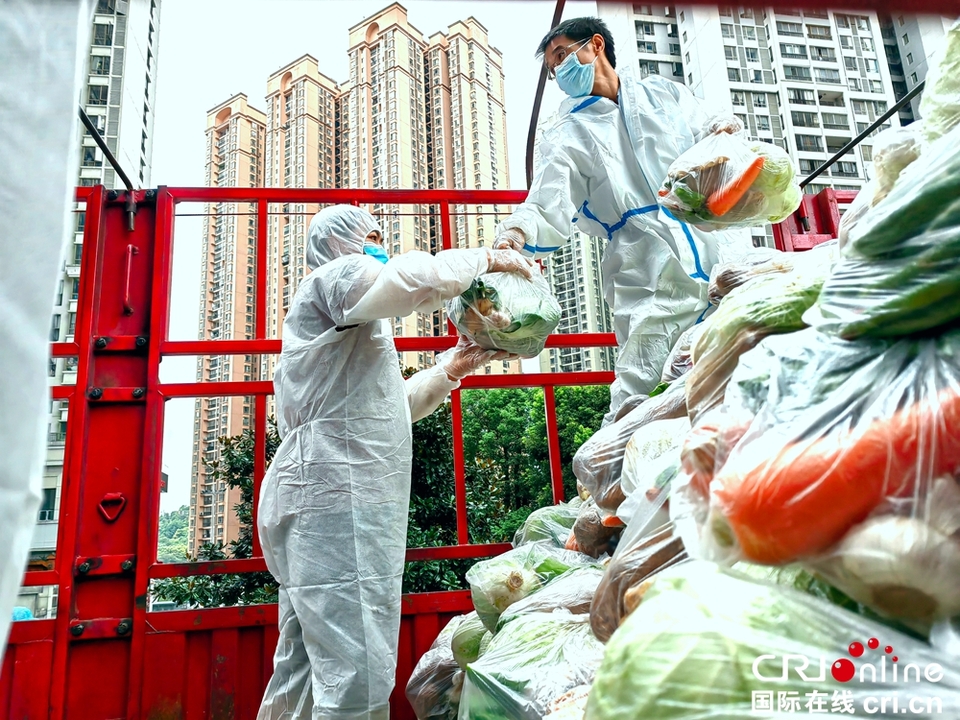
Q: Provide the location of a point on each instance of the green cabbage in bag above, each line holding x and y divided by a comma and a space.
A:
505, 311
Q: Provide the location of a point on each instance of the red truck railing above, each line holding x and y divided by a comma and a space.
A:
105, 654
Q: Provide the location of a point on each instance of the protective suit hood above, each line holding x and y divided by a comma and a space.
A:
336, 231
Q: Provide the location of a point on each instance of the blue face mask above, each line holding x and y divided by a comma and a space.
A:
573, 77
376, 252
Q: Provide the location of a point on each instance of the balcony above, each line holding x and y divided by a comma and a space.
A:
44, 537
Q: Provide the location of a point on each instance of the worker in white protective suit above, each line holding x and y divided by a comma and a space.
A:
43, 44
602, 162
333, 506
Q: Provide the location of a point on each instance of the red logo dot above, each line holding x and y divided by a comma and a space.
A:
843, 670
855, 649
895, 658
888, 649
873, 643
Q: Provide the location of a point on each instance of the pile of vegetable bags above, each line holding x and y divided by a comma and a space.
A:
506, 311
727, 180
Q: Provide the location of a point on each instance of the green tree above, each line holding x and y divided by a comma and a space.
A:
173, 535
234, 468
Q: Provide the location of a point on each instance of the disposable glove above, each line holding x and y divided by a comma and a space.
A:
510, 261
467, 356
510, 238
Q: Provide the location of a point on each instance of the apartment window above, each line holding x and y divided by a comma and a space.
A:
866, 152
792, 72
910, 58
872, 65
835, 121
913, 78
727, 30
730, 53
819, 32
753, 55
647, 47
866, 44
876, 86
863, 23
687, 57
823, 54
906, 39
807, 166
738, 98
678, 70
801, 97
674, 49
809, 143
763, 122
726, 12
827, 75
853, 84
746, 13
789, 28
749, 33
97, 94
646, 27
733, 75
850, 63
805, 119
106, 7
843, 21
48, 504
900, 20
684, 35
641, 10
102, 35
846, 169
681, 16
90, 158
846, 42
859, 107
880, 107
689, 78
759, 100
100, 65
55, 328
793, 51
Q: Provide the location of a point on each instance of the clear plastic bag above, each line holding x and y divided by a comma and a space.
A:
768, 304
899, 274
497, 583
651, 461
599, 461
849, 465
940, 103
711, 644
589, 535
467, 639
638, 558
571, 592
893, 150
530, 663
728, 181
434, 687
505, 311
553, 523
728, 276
680, 359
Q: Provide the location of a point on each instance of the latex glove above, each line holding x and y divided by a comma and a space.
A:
510, 238
509, 261
467, 356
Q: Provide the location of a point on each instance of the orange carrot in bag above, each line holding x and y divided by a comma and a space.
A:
804, 498
722, 201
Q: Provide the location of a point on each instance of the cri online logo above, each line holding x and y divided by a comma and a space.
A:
843, 670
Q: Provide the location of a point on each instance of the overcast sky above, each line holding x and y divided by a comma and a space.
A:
213, 49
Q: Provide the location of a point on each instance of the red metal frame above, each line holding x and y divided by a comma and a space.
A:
105, 655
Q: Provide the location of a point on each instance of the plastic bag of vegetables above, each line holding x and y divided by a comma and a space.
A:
497, 583
893, 150
434, 687
940, 103
726, 181
638, 558
552, 523
590, 535
899, 274
532, 661
650, 462
571, 592
726, 277
599, 461
768, 304
504, 311
709, 644
680, 359
850, 466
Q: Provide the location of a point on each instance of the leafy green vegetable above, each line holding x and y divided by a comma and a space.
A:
526, 306
466, 640
940, 104
690, 648
533, 660
552, 523
777, 174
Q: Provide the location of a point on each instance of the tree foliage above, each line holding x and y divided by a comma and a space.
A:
173, 535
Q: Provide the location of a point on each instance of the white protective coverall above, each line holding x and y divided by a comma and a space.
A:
601, 166
333, 504
42, 46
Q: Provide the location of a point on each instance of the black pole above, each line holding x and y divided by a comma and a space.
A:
131, 202
537, 99
856, 141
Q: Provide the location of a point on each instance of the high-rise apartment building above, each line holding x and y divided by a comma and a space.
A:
118, 95
909, 42
414, 113
236, 139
